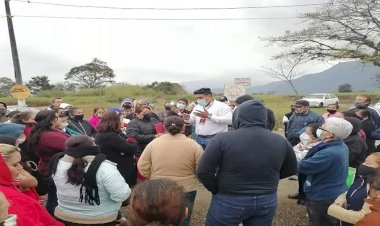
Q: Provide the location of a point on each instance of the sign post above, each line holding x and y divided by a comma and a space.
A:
246, 82
232, 92
20, 92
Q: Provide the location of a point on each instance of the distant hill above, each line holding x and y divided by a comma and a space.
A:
216, 85
359, 75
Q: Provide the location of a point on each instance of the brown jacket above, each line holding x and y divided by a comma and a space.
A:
372, 218
173, 157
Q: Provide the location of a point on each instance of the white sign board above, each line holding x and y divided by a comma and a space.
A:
233, 91
243, 82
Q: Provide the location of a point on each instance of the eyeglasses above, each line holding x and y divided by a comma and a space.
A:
325, 130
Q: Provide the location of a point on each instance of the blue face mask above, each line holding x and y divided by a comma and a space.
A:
202, 102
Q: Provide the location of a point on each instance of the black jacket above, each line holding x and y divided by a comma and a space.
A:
356, 145
82, 126
368, 127
249, 160
120, 151
144, 132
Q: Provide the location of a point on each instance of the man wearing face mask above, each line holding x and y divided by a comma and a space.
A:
210, 116
363, 102
181, 111
3, 112
77, 123
326, 168
302, 117
163, 114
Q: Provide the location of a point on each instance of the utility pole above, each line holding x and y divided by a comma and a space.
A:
16, 62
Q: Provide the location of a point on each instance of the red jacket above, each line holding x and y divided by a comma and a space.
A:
372, 218
29, 211
50, 143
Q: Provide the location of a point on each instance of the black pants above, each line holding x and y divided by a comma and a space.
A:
317, 211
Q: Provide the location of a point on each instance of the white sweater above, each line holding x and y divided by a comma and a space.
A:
113, 190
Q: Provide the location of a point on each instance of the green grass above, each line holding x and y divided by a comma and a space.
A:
112, 96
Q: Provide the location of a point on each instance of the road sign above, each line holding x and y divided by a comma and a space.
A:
243, 82
233, 91
21, 92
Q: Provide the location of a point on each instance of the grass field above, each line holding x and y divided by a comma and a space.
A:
87, 99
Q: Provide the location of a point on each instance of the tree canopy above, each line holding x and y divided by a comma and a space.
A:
39, 83
91, 75
345, 88
342, 29
5, 86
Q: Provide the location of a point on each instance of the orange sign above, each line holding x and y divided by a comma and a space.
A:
21, 92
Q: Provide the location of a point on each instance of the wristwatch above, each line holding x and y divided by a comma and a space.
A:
209, 116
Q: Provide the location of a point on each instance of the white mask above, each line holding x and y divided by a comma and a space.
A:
180, 106
305, 138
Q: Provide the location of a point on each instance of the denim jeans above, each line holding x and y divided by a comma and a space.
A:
52, 200
190, 197
228, 210
202, 141
317, 211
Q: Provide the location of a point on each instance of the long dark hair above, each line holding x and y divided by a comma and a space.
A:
75, 173
158, 202
43, 119
110, 121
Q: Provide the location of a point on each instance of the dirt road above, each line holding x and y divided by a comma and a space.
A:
288, 212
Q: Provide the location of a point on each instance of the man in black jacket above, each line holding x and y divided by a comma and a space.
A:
242, 168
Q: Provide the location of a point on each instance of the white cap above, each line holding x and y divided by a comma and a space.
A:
65, 105
339, 127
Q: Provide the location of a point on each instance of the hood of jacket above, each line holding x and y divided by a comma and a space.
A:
5, 175
250, 113
356, 124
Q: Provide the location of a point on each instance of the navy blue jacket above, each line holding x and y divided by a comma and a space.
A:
299, 121
249, 160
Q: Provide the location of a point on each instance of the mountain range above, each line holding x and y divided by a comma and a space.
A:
359, 75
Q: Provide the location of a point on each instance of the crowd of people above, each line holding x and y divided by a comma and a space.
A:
57, 168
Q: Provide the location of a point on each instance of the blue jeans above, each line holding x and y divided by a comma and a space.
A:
190, 197
202, 141
228, 210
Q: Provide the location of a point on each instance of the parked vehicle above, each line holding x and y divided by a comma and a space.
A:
321, 99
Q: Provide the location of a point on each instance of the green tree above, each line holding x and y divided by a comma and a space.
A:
5, 86
166, 87
39, 83
342, 29
91, 75
345, 88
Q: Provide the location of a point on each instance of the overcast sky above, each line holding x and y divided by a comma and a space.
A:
146, 51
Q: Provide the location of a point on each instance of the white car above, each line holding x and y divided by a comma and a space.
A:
321, 99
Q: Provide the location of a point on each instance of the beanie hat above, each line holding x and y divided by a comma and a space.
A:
11, 129
339, 127
115, 109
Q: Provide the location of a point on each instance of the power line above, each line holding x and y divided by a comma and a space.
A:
171, 9
153, 19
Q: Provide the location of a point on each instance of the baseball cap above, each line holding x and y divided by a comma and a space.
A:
302, 103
